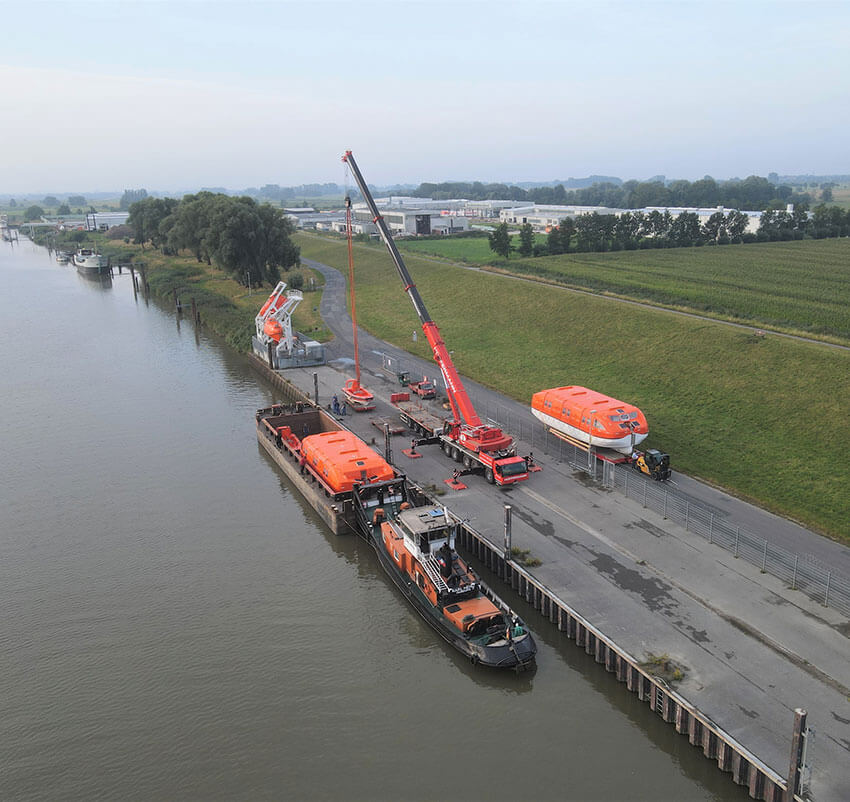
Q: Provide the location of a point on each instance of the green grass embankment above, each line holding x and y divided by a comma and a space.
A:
764, 417
226, 307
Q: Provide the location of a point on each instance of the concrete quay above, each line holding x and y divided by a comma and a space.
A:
629, 587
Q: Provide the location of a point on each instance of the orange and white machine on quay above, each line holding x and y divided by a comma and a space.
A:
274, 322
589, 419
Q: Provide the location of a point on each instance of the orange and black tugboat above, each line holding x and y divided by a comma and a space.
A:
416, 547
354, 489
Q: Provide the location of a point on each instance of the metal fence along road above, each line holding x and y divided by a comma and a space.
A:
818, 582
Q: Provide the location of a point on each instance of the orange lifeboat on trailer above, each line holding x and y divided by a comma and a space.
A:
589, 417
342, 459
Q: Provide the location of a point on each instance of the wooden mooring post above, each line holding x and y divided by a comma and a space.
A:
796, 763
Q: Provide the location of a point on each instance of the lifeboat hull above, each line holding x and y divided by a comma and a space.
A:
621, 444
357, 397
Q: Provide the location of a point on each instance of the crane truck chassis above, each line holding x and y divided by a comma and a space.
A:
501, 467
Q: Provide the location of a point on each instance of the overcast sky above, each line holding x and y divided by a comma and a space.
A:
176, 95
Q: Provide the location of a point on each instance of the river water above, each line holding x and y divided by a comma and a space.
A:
178, 623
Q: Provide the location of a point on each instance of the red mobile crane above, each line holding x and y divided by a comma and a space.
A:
464, 437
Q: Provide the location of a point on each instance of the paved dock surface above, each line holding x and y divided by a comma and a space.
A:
751, 649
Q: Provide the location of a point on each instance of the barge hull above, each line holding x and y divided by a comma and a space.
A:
336, 513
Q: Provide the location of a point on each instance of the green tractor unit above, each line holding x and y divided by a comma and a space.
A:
403, 378
654, 463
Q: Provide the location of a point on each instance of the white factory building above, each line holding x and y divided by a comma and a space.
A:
310, 218
357, 227
409, 222
703, 213
543, 217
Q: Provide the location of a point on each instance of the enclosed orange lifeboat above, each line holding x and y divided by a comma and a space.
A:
273, 329
590, 417
277, 303
341, 459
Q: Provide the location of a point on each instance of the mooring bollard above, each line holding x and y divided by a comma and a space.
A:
388, 449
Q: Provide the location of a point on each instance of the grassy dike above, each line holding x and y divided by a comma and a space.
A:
227, 308
762, 417
794, 287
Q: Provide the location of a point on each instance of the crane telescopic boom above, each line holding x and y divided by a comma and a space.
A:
480, 436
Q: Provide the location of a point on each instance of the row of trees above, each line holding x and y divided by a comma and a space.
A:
633, 230
52, 201
130, 197
250, 241
752, 193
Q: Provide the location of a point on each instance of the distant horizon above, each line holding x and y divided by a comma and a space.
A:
526, 184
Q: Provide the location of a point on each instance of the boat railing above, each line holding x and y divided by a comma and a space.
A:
432, 568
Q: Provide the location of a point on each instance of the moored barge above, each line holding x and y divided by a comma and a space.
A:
355, 490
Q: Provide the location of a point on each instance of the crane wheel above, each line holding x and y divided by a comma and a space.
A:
456, 455
488, 475
467, 461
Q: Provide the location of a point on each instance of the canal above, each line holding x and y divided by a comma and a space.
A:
178, 623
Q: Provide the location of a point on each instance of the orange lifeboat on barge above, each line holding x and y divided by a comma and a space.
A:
590, 418
341, 460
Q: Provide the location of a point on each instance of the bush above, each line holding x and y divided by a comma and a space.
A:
295, 281
119, 232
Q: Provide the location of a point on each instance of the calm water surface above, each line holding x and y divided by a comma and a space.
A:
177, 623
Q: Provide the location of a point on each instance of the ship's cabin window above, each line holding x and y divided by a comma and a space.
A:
420, 580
